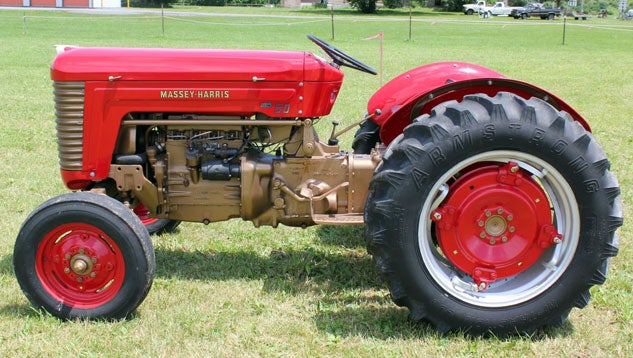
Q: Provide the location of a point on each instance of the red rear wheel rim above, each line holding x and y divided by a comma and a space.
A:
559, 232
496, 222
80, 265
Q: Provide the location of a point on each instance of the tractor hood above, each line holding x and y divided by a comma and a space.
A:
137, 64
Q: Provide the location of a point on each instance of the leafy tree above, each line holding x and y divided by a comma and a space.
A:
364, 6
393, 4
456, 5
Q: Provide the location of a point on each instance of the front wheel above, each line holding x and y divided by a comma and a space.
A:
84, 255
493, 215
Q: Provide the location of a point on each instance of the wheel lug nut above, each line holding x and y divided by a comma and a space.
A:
504, 239
93, 274
511, 229
488, 213
482, 235
493, 241
67, 270
510, 217
480, 223
500, 211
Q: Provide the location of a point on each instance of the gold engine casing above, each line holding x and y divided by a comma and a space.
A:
316, 184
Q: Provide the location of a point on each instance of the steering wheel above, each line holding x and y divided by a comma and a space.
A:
340, 58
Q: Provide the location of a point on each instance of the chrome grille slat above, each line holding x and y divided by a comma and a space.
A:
69, 113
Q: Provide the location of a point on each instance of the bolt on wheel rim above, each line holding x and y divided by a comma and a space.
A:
80, 265
496, 227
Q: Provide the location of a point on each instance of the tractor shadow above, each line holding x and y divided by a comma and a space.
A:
290, 270
332, 275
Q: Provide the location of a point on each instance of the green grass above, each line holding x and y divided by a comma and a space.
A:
229, 289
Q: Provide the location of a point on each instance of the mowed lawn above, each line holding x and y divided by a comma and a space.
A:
229, 289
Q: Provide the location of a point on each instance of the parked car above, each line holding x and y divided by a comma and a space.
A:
535, 9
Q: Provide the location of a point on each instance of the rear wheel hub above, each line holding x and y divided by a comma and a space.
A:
495, 222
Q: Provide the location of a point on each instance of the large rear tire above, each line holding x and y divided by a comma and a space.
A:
84, 255
493, 215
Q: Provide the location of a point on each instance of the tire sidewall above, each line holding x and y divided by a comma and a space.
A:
121, 226
490, 136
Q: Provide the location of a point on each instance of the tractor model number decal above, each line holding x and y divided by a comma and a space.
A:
195, 94
279, 108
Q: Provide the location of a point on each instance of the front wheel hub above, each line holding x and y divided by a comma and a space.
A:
80, 265
495, 222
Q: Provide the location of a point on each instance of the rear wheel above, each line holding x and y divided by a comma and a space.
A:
366, 137
493, 215
84, 255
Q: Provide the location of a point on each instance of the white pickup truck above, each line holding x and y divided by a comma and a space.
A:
498, 9
470, 9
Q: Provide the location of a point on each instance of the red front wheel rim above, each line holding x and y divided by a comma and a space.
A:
80, 266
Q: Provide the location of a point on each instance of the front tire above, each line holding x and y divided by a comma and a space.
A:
493, 215
84, 255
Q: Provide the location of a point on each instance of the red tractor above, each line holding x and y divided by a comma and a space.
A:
488, 204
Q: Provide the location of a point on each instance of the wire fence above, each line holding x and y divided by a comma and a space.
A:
256, 20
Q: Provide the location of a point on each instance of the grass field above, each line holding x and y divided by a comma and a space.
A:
229, 289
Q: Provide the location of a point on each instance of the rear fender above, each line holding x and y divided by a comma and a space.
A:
416, 92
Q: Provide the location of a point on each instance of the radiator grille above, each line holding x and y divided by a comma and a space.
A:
69, 113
